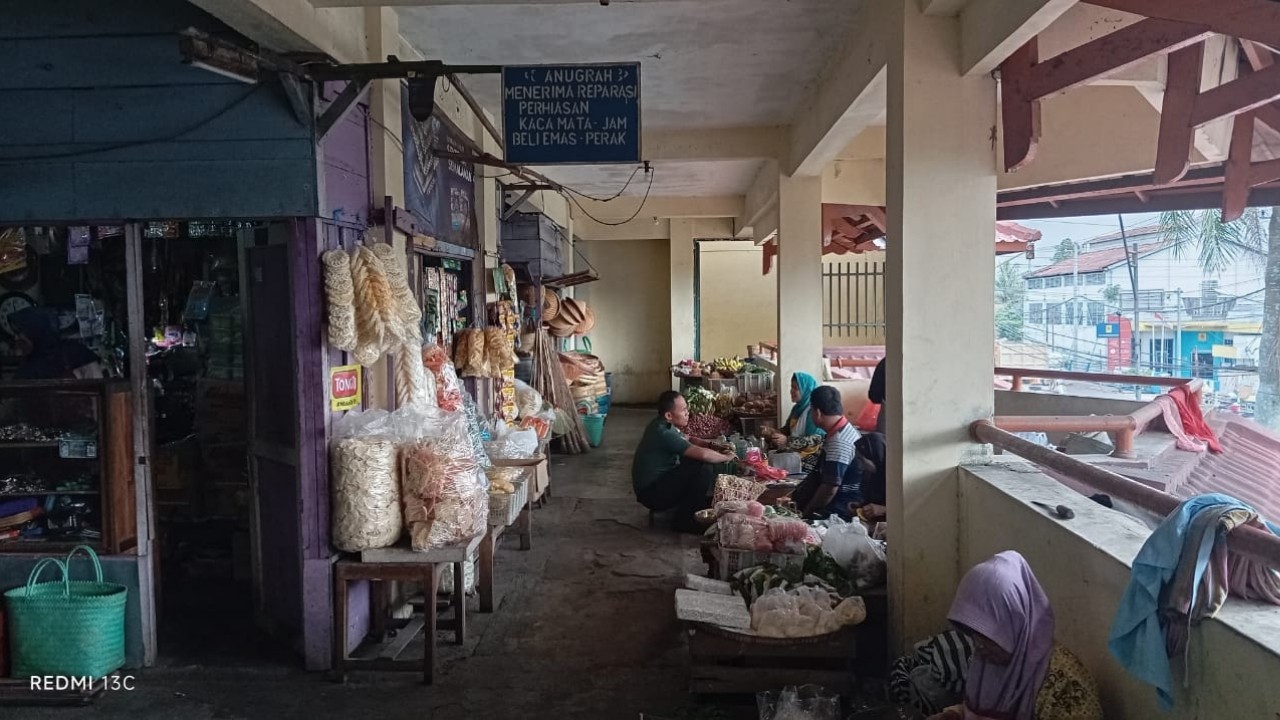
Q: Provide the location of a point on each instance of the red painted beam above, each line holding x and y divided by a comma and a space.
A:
1173, 149
1019, 112
877, 216
1236, 176
1270, 115
1250, 19
1111, 52
1261, 173
1259, 57
1241, 95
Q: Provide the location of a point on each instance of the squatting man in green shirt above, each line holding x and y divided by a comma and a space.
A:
671, 471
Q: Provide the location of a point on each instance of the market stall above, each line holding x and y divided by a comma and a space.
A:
727, 396
786, 601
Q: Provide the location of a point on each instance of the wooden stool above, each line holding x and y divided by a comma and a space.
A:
524, 527
404, 565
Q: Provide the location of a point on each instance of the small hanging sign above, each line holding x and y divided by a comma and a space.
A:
344, 387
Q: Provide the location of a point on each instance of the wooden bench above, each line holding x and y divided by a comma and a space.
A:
403, 565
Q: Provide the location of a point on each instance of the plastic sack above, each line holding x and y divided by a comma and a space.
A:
808, 702
510, 443
366, 486
788, 535
744, 507
804, 612
542, 423
743, 532
448, 386
529, 402
444, 489
852, 548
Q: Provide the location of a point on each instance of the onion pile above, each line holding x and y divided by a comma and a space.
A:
707, 427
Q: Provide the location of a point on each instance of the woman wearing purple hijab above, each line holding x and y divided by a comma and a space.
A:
1017, 672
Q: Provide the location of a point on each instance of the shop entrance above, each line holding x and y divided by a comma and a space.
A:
193, 282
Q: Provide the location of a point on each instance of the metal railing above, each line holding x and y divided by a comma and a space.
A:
853, 298
1249, 541
1122, 428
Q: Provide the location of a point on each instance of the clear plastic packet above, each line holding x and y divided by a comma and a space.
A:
365, 488
511, 443
444, 489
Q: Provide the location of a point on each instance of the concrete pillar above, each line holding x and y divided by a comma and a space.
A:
941, 187
682, 318
799, 282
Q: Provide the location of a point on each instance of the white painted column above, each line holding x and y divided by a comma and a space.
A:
941, 187
799, 282
682, 315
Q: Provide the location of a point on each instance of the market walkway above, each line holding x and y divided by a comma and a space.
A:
586, 629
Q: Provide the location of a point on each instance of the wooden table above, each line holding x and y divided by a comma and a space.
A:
403, 565
493, 538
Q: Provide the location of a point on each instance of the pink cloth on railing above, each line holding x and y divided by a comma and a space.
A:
1173, 420
1193, 422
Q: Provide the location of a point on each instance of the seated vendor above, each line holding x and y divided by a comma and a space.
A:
1017, 671
800, 434
671, 471
836, 484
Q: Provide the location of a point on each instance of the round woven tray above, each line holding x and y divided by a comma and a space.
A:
754, 639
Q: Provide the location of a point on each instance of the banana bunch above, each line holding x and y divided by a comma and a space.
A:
727, 365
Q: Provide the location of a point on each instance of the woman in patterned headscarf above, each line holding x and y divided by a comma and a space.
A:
1017, 672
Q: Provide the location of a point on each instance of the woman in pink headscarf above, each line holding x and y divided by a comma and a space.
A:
1017, 672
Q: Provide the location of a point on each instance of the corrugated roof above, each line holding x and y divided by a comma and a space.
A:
1090, 262
1135, 232
1247, 469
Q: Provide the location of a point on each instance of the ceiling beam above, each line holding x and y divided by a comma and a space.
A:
1249, 19
1173, 147
991, 30
1250, 91
294, 26
1236, 173
761, 198
850, 94
1111, 52
943, 8
748, 143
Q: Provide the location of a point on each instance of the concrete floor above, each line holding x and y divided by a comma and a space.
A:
585, 630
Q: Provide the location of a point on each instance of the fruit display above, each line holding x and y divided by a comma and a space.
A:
760, 405
726, 367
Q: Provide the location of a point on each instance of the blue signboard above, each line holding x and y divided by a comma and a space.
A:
571, 114
1108, 330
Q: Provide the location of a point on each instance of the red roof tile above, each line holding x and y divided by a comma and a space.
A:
1090, 262
1247, 469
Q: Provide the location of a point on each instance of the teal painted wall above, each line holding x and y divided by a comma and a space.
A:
102, 121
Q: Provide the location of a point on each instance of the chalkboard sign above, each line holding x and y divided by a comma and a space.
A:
439, 192
571, 114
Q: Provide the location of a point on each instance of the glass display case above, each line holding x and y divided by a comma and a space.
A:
66, 466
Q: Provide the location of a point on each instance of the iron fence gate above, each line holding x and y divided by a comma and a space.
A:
853, 297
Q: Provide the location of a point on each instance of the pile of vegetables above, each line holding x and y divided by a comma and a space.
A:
818, 570
756, 405
706, 426
701, 400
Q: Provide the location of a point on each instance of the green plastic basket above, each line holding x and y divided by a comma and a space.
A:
65, 626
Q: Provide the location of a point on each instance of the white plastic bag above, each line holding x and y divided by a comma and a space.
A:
808, 702
528, 401
849, 545
510, 443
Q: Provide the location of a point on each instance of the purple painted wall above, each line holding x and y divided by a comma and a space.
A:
344, 155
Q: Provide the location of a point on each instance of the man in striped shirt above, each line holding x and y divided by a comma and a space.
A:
837, 481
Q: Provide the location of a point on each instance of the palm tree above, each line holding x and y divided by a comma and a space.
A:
1219, 245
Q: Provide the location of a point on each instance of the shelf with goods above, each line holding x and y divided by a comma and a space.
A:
66, 449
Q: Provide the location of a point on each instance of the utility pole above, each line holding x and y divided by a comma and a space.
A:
1075, 293
1131, 261
1177, 338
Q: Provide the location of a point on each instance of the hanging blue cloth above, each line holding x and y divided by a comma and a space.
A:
1138, 639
